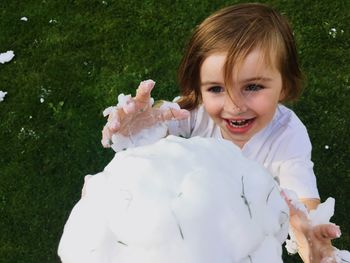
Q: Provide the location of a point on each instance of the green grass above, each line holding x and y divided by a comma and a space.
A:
92, 51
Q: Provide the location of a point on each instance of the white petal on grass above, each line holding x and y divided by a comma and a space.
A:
6, 57
27, 133
333, 32
42, 100
25, 19
2, 95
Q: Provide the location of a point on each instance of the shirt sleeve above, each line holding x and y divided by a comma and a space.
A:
198, 124
181, 127
298, 175
293, 163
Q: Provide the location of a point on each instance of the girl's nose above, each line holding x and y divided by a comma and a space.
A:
235, 104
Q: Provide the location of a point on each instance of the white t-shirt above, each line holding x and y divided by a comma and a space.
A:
283, 147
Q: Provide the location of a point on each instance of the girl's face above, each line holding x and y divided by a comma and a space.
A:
254, 94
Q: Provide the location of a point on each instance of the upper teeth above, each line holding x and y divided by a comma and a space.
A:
238, 122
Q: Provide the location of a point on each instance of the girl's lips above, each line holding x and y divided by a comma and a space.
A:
239, 125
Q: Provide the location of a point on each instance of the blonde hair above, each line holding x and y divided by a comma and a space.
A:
238, 30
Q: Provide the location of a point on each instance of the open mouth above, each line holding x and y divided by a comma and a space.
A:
240, 123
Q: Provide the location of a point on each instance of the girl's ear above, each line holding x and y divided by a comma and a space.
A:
282, 94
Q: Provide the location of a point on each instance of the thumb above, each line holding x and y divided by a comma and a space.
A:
174, 114
327, 231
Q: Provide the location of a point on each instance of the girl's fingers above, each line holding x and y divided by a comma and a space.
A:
134, 114
106, 137
113, 122
174, 114
320, 243
327, 231
129, 107
143, 93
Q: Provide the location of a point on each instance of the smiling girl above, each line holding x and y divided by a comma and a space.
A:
240, 65
246, 104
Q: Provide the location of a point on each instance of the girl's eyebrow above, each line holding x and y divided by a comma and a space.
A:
210, 83
248, 80
258, 78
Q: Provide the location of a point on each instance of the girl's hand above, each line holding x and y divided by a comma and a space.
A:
314, 242
131, 115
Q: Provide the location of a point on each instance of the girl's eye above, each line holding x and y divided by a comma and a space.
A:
253, 87
215, 89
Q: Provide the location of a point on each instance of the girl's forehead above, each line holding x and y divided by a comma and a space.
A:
257, 59
256, 66
212, 68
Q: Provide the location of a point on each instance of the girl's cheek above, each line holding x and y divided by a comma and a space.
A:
263, 102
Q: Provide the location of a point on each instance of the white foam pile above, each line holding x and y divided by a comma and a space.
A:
6, 56
179, 200
2, 95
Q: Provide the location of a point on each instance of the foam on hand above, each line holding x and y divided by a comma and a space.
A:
321, 215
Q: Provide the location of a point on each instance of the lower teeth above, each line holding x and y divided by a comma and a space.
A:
243, 125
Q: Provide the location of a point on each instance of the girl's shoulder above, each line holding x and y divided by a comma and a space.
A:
285, 135
286, 120
288, 133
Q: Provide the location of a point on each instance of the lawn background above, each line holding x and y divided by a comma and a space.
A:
71, 60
